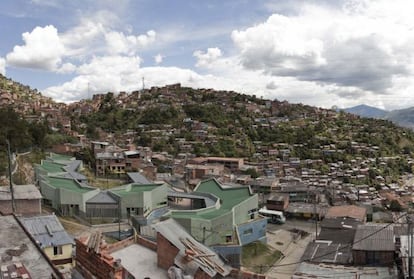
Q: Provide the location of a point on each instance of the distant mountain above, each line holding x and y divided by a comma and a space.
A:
367, 111
402, 117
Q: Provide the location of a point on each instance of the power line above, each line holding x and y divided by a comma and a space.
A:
342, 248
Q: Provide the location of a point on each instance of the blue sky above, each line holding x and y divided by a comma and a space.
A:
316, 52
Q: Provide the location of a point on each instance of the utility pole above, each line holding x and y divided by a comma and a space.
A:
315, 215
410, 247
119, 219
10, 178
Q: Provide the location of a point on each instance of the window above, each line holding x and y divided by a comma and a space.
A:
57, 250
248, 231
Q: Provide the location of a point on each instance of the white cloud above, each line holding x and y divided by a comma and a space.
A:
86, 38
42, 50
158, 58
66, 68
318, 53
205, 59
2, 66
50, 3
109, 73
360, 45
119, 43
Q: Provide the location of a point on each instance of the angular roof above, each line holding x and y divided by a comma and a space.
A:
102, 197
68, 184
340, 223
52, 167
138, 178
229, 196
24, 192
133, 189
343, 236
353, 211
322, 251
66, 168
47, 230
374, 237
60, 157
16, 246
312, 271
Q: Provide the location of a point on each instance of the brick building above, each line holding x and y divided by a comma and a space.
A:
27, 200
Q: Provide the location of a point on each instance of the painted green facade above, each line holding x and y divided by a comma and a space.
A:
216, 225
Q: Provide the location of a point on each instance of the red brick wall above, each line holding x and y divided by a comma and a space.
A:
90, 263
24, 207
166, 252
147, 243
237, 273
120, 244
200, 274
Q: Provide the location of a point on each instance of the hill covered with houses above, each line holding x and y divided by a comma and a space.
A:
177, 121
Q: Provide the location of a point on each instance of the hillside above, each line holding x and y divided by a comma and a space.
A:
177, 119
204, 122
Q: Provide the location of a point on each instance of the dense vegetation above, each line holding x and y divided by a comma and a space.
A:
24, 136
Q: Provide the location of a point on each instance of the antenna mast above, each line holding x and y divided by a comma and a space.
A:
10, 178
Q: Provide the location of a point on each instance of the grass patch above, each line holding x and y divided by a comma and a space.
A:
259, 257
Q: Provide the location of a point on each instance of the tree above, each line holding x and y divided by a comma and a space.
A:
395, 206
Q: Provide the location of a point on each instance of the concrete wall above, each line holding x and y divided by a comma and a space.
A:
49, 193
222, 230
24, 207
159, 197
241, 211
252, 231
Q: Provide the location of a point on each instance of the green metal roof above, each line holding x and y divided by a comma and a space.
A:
60, 157
52, 167
134, 189
67, 184
230, 197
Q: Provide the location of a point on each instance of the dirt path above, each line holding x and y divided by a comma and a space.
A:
73, 228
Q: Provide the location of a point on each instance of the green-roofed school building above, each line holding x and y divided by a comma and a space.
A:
66, 190
222, 217
140, 199
66, 195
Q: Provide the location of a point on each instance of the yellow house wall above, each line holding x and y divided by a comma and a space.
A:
66, 254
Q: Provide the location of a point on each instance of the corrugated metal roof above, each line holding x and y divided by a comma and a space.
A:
374, 237
137, 177
343, 236
357, 212
327, 252
312, 271
47, 230
340, 223
24, 192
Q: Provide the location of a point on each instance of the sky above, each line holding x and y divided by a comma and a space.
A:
322, 53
